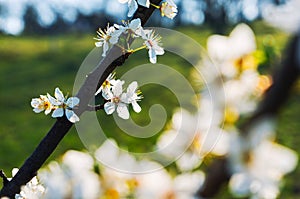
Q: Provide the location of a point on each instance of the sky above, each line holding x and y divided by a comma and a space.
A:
13, 11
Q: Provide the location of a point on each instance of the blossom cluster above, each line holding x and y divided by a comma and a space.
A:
116, 99
92, 179
59, 104
112, 34
133, 29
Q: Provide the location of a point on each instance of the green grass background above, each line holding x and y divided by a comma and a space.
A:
33, 65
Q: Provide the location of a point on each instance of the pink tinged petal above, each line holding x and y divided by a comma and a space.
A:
122, 111
132, 7
99, 44
136, 107
109, 108
152, 56
58, 113
72, 117
72, 102
145, 3
59, 95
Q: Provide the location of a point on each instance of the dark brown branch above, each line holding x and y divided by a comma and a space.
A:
274, 99
93, 81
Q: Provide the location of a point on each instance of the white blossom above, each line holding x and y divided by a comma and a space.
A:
41, 104
152, 42
168, 9
106, 37
107, 84
115, 102
64, 105
258, 164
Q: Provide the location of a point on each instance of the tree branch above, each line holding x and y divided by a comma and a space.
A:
274, 99
61, 127
4, 178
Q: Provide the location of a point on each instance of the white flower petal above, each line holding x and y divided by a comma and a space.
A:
135, 24
152, 56
159, 50
132, 6
145, 3
58, 113
122, 111
37, 110
132, 87
47, 111
59, 95
109, 108
53, 101
72, 117
117, 89
136, 107
107, 94
114, 39
99, 44
72, 102
240, 184
105, 49
123, 1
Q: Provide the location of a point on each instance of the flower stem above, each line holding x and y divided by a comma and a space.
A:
155, 6
137, 49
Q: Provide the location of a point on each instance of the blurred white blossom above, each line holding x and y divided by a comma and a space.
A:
258, 164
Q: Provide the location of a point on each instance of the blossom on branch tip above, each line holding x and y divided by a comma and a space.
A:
41, 104
168, 9
62, 105
152, 42
106, 37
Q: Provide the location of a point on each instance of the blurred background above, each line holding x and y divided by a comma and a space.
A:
43, 43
